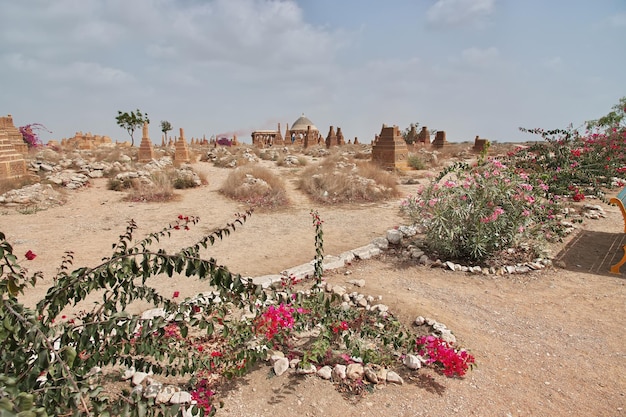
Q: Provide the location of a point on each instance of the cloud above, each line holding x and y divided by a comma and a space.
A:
460, 12
482, 58
618, 20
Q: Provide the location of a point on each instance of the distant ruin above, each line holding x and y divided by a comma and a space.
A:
85, 141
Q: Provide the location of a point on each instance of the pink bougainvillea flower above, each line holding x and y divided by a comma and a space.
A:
30, 255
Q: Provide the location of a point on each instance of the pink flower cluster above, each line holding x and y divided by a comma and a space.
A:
202, 395
275, 319
438, 351
494, 216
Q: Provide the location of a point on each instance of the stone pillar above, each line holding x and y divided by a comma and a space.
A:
340, 139
146, 151
424, 136
181, 153
440, 139
389, 149
331, 138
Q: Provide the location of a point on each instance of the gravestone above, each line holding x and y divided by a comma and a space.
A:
331, 138
424, 136
181, 154
389, 149
440, 139
146, 152
480, 144
340, 139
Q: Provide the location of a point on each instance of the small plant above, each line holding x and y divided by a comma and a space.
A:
416, 162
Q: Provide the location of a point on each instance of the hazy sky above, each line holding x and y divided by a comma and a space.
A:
217, 67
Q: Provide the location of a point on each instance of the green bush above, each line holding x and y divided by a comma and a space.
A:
58, 363
477, 212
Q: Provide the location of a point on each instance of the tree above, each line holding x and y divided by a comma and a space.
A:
165, 127
131, 121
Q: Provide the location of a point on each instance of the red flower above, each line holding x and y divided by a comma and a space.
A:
216, 354
200, 348
176, 294
30, 255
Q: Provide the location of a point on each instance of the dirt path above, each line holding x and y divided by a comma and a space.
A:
546, 343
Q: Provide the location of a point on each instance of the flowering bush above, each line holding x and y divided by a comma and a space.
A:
576, 163
52, 358
437, 351
30, 136
473, 213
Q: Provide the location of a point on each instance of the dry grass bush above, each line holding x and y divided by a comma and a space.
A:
159, 190
256, 186
340, 179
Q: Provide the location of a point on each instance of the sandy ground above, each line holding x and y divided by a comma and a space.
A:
549, 343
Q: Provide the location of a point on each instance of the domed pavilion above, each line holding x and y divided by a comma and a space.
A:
297, 135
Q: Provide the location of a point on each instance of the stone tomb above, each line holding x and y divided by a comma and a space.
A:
424, 136
440, 139
12, 163
181, 153
389, 149
13, 135
146, 151
480, 144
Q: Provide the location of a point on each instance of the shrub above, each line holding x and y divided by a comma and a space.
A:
56, 362
416, 162
474, 213
156, 189
256, 186
338, 179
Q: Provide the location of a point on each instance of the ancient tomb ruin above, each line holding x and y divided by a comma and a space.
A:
389, 149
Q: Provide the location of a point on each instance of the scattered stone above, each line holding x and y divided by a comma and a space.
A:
281, 365
138, 378
394, 236
152, 390
325, 372
394, 378
412, 362
339, 372
165, 395
180, 397
355, 371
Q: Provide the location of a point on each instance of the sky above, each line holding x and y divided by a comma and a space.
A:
224, 67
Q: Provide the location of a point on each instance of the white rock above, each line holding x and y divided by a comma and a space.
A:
180, 397
339, 372
325, 372
280, 366
138, 378
165, 395
412, 362
355, 371
152, 390
394, 236
307, 370
394, 378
